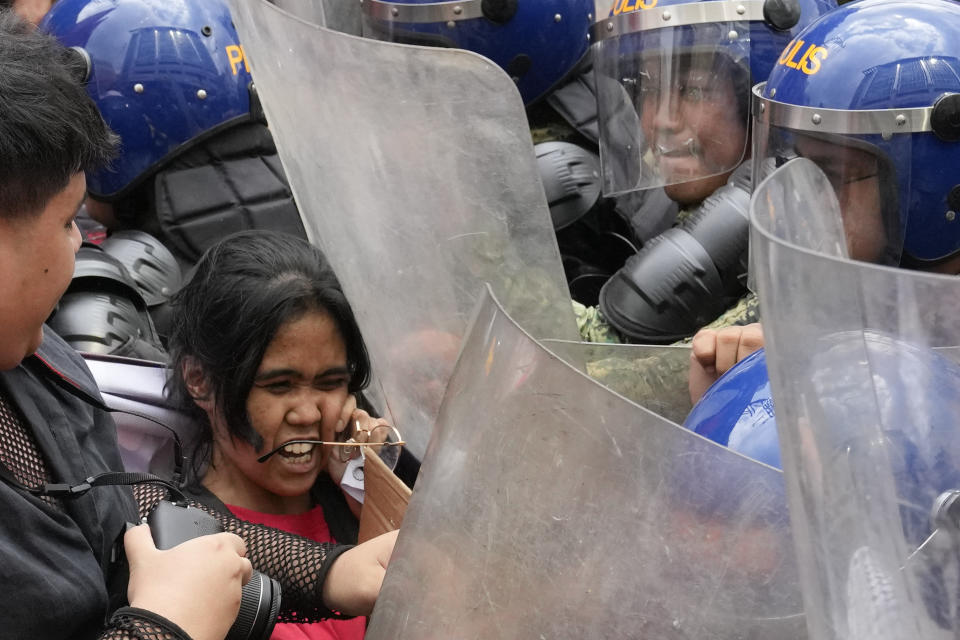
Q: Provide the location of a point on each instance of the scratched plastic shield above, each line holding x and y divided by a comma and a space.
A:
339, 15
672, 100
414, 172
550, 507
653, 376
866, 385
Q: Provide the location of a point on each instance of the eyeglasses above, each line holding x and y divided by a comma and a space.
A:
383, 440
848, 169
838, 181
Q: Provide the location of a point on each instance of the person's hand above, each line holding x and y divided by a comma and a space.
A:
353, 581
196, 585
716, 350
359, 424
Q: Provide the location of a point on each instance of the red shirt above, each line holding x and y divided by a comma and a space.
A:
310, 524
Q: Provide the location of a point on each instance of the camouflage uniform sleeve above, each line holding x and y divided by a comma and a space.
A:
657, 379
746, 311
593, 326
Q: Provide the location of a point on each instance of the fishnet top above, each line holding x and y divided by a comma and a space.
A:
298, 564
19, 453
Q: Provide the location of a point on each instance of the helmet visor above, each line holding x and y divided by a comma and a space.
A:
416, 24
858, 169
863, 367
673, 105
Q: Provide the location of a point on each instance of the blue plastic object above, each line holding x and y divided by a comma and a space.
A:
763, 47
737, 411
538, 45
916, 418
880, 67
164, 73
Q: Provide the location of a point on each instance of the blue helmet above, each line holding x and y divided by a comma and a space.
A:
915, 440
865, 101
772, 24
164, 73
737, 411
685, 67
537, 42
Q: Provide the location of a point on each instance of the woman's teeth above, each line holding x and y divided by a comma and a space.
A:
297, 452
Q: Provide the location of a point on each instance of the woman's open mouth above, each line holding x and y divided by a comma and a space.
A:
297, 452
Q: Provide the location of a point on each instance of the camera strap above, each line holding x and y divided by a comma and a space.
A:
66, 490
122, 478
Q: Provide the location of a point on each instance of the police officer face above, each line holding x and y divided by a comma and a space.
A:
854, 175
36, 259
692, 124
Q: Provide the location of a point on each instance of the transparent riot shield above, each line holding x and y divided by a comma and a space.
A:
549, 507
414, 171
654, 377
311, 11
332, 14
343, 16
867, 401
671, 92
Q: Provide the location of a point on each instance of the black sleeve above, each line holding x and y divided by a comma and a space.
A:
299, 564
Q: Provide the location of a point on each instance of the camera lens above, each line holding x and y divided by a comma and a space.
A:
259, 607
172, 524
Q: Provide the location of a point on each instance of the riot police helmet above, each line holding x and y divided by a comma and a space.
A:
537, 42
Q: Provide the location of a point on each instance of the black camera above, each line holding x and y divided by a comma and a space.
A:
172, 524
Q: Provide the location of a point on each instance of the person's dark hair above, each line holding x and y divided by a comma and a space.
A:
50, 129
242, 291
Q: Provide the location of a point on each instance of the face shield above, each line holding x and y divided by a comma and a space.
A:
672, 93
419, 24
536, 43
867, 158
863, 368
